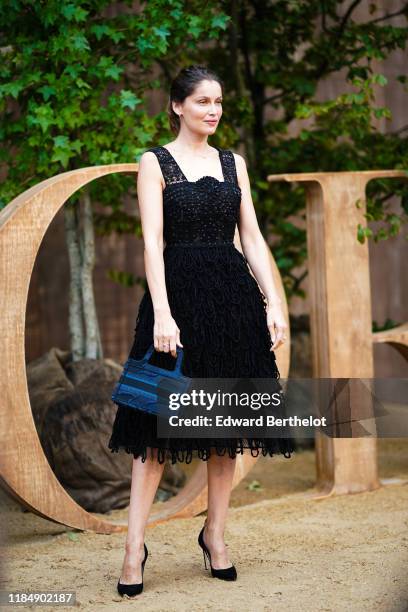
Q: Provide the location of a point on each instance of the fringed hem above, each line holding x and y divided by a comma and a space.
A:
135, 431
185, 455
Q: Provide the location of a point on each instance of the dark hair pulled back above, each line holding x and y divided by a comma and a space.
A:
183, 85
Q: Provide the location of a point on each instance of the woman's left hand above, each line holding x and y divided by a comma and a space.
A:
276, 325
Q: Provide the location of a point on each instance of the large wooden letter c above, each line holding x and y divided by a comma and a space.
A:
24, 470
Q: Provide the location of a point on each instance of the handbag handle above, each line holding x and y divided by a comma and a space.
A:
179, 350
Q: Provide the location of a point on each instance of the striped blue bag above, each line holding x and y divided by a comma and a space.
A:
147, 387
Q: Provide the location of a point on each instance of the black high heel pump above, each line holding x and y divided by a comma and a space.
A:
133, 589
228, 573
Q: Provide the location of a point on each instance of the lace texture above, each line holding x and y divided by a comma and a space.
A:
216, 303
199, 211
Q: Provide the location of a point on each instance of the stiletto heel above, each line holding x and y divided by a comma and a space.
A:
228, 573
133, 589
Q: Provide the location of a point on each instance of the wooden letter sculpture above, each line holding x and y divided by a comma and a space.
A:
24, 470
342, 338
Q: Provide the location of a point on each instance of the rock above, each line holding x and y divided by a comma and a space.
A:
74, 414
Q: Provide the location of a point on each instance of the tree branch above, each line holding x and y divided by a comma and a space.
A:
347, 15
399, 131
323, 21
274, 97
389, 15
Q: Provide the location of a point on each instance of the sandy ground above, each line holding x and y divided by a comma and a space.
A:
340, 553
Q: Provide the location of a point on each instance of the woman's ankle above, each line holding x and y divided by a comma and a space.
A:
134, 546
214, 529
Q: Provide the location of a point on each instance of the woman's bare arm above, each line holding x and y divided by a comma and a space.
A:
258, 254
150, 197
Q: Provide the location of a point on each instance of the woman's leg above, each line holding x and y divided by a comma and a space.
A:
145, 480
220, 471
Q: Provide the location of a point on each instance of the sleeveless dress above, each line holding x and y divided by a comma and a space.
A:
216, 303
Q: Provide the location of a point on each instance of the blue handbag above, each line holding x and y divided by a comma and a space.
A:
147, 387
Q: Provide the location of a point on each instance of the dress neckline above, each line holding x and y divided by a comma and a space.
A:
202, 177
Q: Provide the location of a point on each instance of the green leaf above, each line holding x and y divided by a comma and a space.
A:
380, 79
254, 485
61, 141
360, 234
382, 234
162, 32
303, 111
47, 91
80, 42
114, 72
74, 13
81, 84
11, 89
220, 21
100, 30
42, 116
382, 112
128, 99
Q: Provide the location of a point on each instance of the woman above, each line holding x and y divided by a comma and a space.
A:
202, 297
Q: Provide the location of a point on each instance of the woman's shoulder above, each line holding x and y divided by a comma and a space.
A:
151, 151
151, 156
151, 163
147, 157
238, 158
240, 163
229, 153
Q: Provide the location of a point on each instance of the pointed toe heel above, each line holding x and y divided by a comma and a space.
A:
228, 573
131, 590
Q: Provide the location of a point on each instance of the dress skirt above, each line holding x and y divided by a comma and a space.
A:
221, 314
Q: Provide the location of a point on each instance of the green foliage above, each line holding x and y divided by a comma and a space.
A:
76, 78
73, 536
388, 324
254, 485
126, 279
74, 82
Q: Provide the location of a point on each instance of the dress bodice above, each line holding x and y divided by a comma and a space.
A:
199, 212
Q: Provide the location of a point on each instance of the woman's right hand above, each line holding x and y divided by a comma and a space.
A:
166, 332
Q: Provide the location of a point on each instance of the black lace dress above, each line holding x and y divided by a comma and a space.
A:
216, 303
